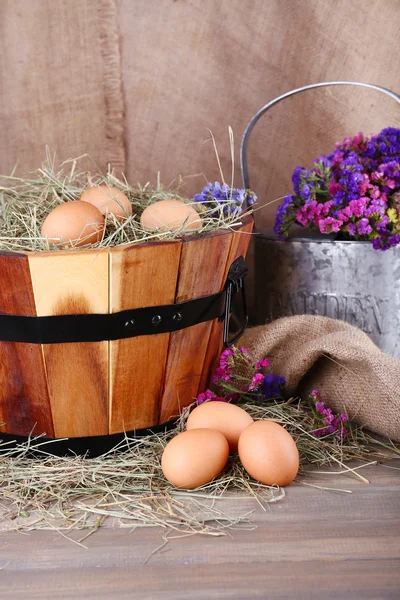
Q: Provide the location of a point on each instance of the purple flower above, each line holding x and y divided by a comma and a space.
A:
349, 190
352, 229
325, 422
219, 197
306, 192
296, 179
272, 386
363, 227
282, 211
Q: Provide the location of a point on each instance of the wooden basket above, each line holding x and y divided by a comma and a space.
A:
82, 389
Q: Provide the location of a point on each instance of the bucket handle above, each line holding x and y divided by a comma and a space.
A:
256, 117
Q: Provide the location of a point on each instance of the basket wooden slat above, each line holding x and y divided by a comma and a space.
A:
141, 275
99, 388
201, 273
77, 373
24, 400
239, 244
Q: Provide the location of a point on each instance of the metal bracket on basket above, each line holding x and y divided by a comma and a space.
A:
253, 120
150, 320
234, 284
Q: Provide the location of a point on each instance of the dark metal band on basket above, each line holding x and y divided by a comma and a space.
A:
129, 323
90, 446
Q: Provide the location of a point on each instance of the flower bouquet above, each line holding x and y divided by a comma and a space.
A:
240, 379
353, 192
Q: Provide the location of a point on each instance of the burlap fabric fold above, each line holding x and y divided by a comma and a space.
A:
339, 360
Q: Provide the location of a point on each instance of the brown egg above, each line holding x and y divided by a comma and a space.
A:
73, 223
170, 215
108, 200
226, 418
269, 453
194, 458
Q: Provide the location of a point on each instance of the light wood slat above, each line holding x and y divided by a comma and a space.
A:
201, 273
239, 245
140, 276
77, 373
24, 399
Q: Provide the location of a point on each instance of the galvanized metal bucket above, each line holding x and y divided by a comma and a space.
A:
345, 280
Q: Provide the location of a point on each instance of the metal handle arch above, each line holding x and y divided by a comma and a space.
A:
259, 114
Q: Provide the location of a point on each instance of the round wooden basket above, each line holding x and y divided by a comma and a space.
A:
102, 388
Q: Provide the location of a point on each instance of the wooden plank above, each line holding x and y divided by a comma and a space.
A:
356, 579
298, 549
239, 245
201, 272
74, 282
140, 275
312, 580
24, 399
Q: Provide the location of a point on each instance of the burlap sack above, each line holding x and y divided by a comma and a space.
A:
340, 361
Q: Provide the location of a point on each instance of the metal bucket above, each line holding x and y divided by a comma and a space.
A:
339, 279
318, 275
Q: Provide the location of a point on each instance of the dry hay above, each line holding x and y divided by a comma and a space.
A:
25, 203
127, 486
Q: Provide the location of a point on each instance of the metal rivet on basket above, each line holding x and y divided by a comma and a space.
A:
156, 320
130, 323
177, 317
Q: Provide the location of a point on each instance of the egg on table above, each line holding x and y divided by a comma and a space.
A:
193, 458
228, 419
73, 224
269, 453
109, 201
170, 215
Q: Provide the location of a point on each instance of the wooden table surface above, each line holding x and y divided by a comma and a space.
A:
312, 544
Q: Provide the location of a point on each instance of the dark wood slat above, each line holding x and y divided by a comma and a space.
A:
239, 245
24, 398
201, 272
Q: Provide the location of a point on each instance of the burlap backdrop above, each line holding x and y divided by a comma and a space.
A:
137, 83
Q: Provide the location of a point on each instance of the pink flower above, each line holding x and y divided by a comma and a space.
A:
344, 214
255, 382
207, 395
221, 373
357, 207
262, 363
337, 157
326, 207
334, 187
329, 224
301, 217
329, 418
362, 188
